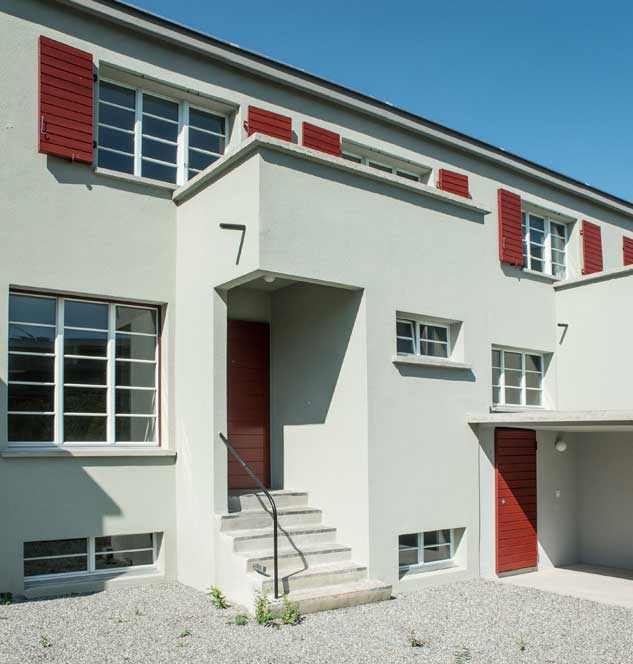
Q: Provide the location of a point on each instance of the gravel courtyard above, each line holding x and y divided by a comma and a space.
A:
475, 621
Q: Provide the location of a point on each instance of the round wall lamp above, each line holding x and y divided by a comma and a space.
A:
269, 279
560, 445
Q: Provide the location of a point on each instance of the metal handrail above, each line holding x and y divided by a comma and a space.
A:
273, 506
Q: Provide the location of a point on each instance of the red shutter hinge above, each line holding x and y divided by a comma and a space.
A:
246, 125
43, 125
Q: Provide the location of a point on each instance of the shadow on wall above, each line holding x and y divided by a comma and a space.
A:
68, 172
436, 373
311, 330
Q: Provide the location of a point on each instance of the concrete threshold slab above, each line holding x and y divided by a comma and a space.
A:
606, 585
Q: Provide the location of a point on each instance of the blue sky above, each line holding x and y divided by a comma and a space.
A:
550, 81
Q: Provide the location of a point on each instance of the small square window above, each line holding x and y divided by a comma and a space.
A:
421, 338
517, 378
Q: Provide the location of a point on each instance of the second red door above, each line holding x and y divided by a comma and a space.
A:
248, 378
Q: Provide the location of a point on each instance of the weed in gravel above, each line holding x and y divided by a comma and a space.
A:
241, 619
181, 644
185, 633
6, 599
45, 641
463, 655
414, 642
217, 598
119, 620
521, 644
290, 614
138, 612
263, 612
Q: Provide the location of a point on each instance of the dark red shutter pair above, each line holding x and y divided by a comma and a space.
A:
511, 235
279, 126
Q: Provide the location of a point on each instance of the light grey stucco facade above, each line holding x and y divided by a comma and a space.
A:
332, 252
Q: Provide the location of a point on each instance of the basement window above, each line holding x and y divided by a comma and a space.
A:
517, 378
422, 338
88, 555
81, 371
425, 549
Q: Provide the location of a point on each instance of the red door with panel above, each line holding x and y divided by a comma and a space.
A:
248, 401
515, 494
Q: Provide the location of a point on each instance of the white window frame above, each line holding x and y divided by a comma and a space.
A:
417, 338
524, 388
420, 548
547, 243
182, 143
91, 558
369, 161
110, 386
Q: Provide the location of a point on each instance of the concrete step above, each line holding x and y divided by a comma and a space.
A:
251, 519
331, 574
250, 500
325, 598
292, 560
261, 539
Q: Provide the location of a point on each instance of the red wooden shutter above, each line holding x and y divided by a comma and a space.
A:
510, 231
454, 183
65, 122
627, 250
269, 123
321, 139
591, 248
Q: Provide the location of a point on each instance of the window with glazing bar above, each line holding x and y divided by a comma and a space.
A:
517, 378
434, 546
81, 371
544, 245
145, 134
420, 338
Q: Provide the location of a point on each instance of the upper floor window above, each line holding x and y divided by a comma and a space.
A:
421, 338
81, 371
145, 134
380, 166
544, 245
517, 378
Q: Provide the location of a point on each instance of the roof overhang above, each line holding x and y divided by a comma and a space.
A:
187, 38
558, 420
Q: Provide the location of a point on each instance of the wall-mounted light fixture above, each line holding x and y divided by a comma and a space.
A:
560, 445
269, 279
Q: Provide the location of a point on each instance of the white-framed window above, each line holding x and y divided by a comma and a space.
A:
378, 165
82, 371
149, 135
88, 555
428, 548
517, 378
544, 245
414, 337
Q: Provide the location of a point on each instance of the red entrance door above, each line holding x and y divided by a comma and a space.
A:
248, 377
515, 493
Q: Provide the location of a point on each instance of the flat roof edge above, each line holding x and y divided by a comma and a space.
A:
171, 31
260, 141
606, 275
554, 417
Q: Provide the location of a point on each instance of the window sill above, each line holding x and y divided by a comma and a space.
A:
541, 275
515, 409
81, 583
414, 570
83, 452
439, 362
134, 179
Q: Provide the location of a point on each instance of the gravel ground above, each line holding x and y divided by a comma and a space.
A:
475, 621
